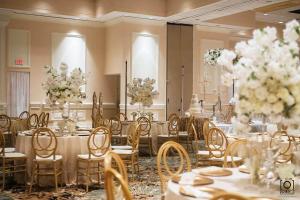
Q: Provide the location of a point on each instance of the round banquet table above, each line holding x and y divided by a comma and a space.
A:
67, 146
157, 128
238, 182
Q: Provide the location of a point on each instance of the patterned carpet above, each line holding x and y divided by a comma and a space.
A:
146, 186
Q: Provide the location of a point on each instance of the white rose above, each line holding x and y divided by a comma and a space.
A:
261, 93
278, 107
272, 98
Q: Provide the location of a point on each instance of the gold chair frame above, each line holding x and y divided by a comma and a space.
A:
116, 130
162, 163
9, 164
145, 132
113, 160
41, 119
231, 150
122, 116
24, 113
45, 154
35, 119
96, 153
286, 153
228, 196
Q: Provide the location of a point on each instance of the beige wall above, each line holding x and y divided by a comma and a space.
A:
40, 53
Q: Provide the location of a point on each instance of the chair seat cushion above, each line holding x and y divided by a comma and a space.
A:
15, 155
205, 153
183, 133
10, 150
119, 136
229, 159
86, 157
122, 147
124, 151
50, 159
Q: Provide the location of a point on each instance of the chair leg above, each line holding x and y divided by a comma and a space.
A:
98, 173
77, 169
3, 178
38, 174
88, 178
55, 175
32, 177
150, 146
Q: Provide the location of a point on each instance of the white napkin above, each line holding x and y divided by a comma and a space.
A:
187, 179
196, 192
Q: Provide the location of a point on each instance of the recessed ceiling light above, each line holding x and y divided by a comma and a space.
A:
266, 14
280, 22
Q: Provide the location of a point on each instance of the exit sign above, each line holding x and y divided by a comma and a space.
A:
19, 61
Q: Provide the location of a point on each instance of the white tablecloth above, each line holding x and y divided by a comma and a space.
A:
238, 183
157, 128
67, 146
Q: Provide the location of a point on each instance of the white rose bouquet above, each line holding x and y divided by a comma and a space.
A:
211, 56
142, 91
267, 74
63, 88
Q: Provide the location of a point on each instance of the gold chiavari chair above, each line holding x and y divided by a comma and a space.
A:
24, 115
206, 126
41, 119
116, 131
5, 126
235, 152
186, 136
282, 140
46, 120
110, 175
145, 133
33, 121
122, 117
216, 146
173, 130
114, 161
163, 168
45, 161
228, 196
130, 156
91, 163
11, 162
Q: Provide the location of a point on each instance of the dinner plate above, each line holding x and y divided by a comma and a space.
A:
197, 181
216, 172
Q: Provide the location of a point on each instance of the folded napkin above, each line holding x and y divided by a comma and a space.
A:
194, 192
187, 179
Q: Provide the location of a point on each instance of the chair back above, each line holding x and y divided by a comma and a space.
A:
216, 142
99, 142
24, 115
191, 129
111, 177
206, 126
164, 170
2, 144
33, 121
115, 126
237, 148
133, 137
5, 123
113, 160
174, 125
122, 116
46, 120
44, 143
228, 196
286, 152
144, 126
41, 119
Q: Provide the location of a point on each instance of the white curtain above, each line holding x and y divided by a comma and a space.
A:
18, 93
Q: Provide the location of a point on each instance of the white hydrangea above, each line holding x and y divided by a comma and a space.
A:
267, 74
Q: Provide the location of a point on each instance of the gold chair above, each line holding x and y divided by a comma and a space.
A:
24, 115
145, 133
228, 196
113, 160
122, 116
110, 175
33, 121
98, 146
173, 130
286, 152
45, 161
235, 153
5, 127
41, 119
116, 131
164, 170
206, 126
216, 144
46, 120
186, 136
11, 163
130, 155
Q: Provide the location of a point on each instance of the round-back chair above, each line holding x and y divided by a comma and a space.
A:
164, 170
33, 121
99, 147
216, 143
286, 153
24, 115
144, 126
5, 123
174, 125
41, 119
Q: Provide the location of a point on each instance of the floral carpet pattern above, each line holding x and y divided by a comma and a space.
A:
144, 186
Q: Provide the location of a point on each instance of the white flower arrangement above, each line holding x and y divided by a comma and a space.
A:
211, 56
267, 74
142, 91
63, 88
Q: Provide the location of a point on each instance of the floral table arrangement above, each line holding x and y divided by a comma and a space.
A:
211, 56
141, 91
267, 74
63, 89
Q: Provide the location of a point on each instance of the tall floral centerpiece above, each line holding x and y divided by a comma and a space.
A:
142, 91
267, 70
62, 88
211, 56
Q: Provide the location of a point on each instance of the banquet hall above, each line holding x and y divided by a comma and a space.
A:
150, 99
